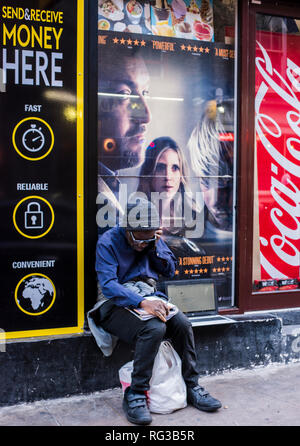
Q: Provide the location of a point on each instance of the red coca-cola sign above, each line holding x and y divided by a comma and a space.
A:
277, 114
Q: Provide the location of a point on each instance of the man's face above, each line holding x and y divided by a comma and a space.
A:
123, 111
219, 204
138, 236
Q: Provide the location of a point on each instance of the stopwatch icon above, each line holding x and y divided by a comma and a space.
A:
33, 139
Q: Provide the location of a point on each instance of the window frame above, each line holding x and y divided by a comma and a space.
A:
247, 299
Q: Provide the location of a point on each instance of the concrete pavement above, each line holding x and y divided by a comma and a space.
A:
267, 396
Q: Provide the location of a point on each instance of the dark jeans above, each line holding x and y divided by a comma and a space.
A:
147, 336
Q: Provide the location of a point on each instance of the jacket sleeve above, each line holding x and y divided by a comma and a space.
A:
106, 268
163, 259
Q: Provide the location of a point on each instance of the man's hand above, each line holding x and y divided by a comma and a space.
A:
158, 234
156, 308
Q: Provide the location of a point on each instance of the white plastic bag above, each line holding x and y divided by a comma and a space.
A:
125, 375
167, 387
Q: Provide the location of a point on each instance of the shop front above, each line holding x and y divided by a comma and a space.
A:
191, 104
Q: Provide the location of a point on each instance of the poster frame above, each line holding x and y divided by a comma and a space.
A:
247, 299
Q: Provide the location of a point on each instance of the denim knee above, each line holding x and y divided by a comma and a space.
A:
182, 323
154, 329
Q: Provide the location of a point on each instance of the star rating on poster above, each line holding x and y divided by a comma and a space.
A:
223, 259
129, 41
193, 271
161, 45
194, 49
225, 268
219, 265
221, 270
167, 45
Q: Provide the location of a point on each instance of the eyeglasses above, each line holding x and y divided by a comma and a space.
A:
140, 242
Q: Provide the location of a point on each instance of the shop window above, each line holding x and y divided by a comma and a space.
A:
166, 97
276, 178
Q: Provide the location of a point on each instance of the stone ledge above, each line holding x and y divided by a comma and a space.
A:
39, 369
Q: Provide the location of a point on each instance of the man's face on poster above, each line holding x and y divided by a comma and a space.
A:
218, 199
123, 111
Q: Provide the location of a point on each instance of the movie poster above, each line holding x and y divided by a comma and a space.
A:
166, 121
187, 19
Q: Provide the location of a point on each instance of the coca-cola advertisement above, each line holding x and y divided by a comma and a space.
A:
166, 133
277, 175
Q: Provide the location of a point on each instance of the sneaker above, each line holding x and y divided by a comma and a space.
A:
201, 399
135, 407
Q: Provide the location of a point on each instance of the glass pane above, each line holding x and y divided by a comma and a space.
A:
166, 126
276, 240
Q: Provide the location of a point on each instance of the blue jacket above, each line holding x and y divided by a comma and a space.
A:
117, 262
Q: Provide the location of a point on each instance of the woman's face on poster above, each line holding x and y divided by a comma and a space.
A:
167, 175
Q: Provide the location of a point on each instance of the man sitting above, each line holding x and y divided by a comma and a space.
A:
126, 256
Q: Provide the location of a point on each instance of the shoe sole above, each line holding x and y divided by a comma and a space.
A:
207, 409
134, 420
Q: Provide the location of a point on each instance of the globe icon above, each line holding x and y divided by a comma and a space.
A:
35, 294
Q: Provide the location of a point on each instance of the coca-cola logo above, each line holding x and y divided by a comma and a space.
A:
277, 110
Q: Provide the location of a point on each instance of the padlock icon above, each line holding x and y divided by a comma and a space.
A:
34, 217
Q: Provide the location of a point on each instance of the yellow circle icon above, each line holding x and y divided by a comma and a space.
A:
50, 224
33, 139
32, 290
